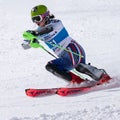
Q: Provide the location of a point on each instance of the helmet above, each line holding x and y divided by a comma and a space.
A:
40, 10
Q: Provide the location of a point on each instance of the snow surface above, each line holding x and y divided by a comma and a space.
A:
95, 24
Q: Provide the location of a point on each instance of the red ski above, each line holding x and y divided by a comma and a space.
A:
40, 92
50, 91
64, 91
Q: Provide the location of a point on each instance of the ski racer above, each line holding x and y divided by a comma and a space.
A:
70, 54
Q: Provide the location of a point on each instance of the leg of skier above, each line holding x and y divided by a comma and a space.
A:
67, 61
58, 68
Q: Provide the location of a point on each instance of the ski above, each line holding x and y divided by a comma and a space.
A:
40, 92
64, 91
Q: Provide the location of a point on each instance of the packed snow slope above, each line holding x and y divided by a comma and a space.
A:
95, 24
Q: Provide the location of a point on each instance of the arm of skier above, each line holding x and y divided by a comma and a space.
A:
33, 37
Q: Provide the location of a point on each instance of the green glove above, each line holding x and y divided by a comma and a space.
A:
34, 43
33, 39
29, 36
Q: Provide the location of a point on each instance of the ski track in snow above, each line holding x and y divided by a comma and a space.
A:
95, 25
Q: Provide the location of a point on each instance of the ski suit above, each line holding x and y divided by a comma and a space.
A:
69, 52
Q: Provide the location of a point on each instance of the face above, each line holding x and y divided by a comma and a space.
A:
39, 20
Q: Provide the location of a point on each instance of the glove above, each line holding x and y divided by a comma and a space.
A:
33, 32
34, 43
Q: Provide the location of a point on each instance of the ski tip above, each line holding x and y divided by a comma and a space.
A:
26, 90
30, 92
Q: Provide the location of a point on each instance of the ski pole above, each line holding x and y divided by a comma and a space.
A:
47, 51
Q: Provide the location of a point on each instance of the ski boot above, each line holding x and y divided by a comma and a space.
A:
98, 75
91, 71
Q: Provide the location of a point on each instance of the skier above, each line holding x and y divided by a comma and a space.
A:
70, 55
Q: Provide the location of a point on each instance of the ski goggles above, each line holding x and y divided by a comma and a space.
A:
39, 18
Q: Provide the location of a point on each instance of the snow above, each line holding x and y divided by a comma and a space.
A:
95, 25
